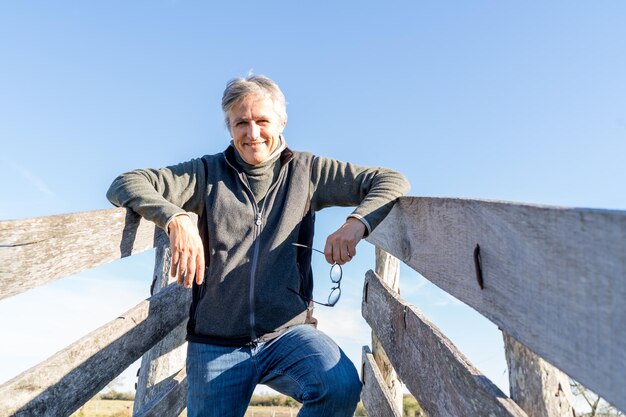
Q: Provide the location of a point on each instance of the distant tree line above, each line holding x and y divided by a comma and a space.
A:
116, 395
410, 407
273, 401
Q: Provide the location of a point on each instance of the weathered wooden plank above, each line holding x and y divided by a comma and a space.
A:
388, 269
168, 356
65, 381
39, 250
173, 399
377, 399
540, 389
437, 374
554, 278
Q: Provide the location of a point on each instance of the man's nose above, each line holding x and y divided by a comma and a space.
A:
254, 130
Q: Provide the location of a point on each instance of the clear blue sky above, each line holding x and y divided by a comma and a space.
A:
498, 100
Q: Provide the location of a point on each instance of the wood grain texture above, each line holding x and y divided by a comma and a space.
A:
166, 358
65, 381
39, 250
554, 278
441, 379
388, 269
173, 398
540, 389
377, 399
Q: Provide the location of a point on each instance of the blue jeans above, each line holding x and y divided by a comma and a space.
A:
303, 363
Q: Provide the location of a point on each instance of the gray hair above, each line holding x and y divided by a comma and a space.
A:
257, 85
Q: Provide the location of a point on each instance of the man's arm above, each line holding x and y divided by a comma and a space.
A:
159, 194
372, 190
164, 196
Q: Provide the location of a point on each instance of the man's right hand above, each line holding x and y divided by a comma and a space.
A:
187, 251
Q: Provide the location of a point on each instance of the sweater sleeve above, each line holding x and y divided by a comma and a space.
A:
372, 190
159, 194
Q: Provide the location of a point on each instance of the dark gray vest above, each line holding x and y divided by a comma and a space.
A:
254, 274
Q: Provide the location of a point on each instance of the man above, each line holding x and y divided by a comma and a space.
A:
251, 315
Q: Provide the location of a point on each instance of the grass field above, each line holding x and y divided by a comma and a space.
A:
105, 408
265, 412
118, 408
271, 412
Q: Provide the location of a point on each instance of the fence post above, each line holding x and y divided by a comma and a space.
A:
167, 357
388, 269
539, 388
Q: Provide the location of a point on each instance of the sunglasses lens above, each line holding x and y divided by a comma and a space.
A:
334, 296
335, 273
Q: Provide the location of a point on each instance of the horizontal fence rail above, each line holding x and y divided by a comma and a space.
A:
436, 373
36, 251
62, 383
553, 278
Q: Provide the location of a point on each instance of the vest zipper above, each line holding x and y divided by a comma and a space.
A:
258, 223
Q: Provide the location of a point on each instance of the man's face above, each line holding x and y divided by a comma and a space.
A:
255, 127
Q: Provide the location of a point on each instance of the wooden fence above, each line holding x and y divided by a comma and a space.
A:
553, 279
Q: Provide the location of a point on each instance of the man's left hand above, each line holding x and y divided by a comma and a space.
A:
341, 245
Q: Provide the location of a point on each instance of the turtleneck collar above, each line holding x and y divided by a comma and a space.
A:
263, 166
